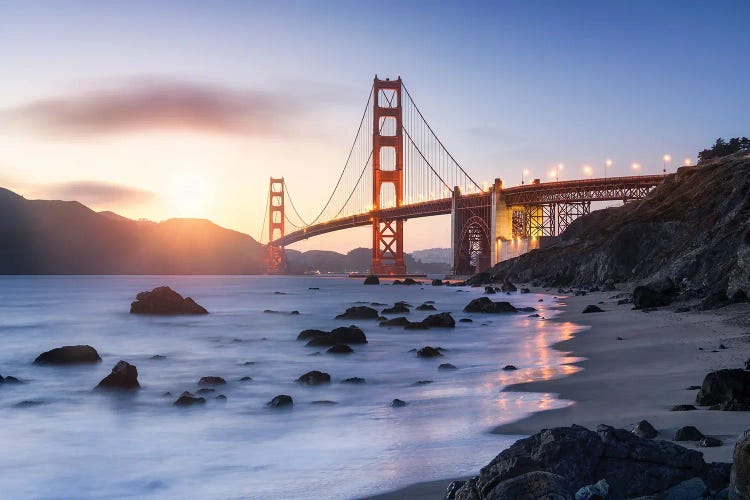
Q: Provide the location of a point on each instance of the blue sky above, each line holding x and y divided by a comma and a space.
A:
506, 85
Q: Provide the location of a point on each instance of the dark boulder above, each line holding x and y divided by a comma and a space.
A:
164, 300
683, 408
372, 280
437, 282
592, 309
509, 368
187, 399
426, 307
311, 334
315, 377
359, 312
533, 485
341, 335
397, 403
340, 349
211, 381
354, 380
709, 442
280, 401
9, 379
441, 320
485, 305
416, 326
509, 287
400, 321
398, 308
688, 433
67, 355
246, 379
655, 294
123, 376
465, 320
739, 485
723, 386
428, 352
644, 429
447, 366
632, 466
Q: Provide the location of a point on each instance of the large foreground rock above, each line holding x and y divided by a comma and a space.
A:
68, 355
739, 487
123, 376
485, 305
440, 320
725, 386
632, 466
164, 300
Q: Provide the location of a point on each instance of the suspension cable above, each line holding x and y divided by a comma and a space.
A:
289, 197
411, 99
425, 159
265, 216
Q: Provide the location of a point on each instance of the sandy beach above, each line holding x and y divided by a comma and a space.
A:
639, 377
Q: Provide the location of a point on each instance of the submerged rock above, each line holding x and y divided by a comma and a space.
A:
397, 403
280, 401
485, 305
67, 355
359, 312
428, 352
341, 335
440, 320
509, 368
187, 399
372, 280
447, 366
211, 380
400, 321
340, 349
314, 377
164, 300
398, 308
123, 376
353, 380
592, 309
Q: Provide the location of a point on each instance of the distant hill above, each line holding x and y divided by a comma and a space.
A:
65, 237
436, 255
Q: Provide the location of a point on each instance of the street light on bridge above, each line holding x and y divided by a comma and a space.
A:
607, 164
588, 170
560, 166
635, 166
666, 159
688, 162
524, 172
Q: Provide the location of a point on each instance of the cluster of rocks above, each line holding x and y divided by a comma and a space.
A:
574, 462
440, 320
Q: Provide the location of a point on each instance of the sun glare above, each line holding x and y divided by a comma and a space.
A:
190, 195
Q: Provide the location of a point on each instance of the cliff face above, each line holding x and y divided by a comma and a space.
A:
694, 228
65, 237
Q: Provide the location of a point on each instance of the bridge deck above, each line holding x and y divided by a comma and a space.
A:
584, 190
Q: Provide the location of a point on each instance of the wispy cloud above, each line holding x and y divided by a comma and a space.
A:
97, 194
144, 105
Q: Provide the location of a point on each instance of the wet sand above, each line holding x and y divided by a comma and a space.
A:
639, 377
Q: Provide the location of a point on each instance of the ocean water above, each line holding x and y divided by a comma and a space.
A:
80, 443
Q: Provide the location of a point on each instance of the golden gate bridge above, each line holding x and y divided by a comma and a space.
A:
397, 169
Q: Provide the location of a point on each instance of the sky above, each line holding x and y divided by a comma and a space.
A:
157, 109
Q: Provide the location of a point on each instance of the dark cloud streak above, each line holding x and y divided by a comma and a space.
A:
98, 193
159, 105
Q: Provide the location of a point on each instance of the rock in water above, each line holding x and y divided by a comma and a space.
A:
644, 429
123, 376
164, 300
632, 466
509, 287
724, 386
688, 433
187, 399
447, 366
739, 485
341, 335
426, 307
211, 381
340, 349
592, 309
359, 312
428, 352
372, 280
314, 377
485, 305
441, 320
437, 282
398, 308
397, 403
280, 401
67, 355
509, 368
400, 321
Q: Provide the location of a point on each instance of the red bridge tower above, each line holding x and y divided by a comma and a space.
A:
387, 168
277, 263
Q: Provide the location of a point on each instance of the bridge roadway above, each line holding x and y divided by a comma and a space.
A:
603, 189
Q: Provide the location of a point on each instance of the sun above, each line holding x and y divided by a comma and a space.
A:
190, 195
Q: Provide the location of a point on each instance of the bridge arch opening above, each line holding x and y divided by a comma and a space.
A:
473, 252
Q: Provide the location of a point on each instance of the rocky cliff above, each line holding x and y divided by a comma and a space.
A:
694, 228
